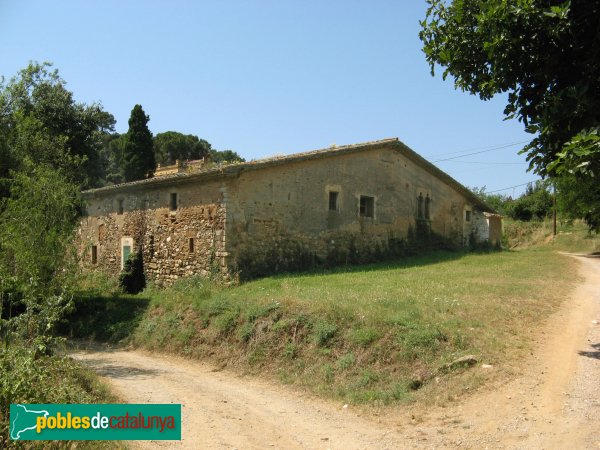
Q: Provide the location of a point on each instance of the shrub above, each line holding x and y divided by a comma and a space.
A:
323, 332
132, 278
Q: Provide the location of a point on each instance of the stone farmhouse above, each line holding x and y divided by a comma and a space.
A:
193, 218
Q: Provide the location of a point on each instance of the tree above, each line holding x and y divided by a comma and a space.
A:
576, 198
41, 123
225, 156
535, 204
138, 152
132, 278
172, 146
111, 156
49, 151
37, 223
544, 53
496, 201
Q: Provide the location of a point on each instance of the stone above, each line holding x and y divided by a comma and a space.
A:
464, 361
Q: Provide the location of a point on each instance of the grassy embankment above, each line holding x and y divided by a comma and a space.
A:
373, 334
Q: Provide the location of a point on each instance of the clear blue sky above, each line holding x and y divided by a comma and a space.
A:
267, 77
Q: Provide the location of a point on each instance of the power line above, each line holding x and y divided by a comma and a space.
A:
511, 187
475, 153
495, 147
492, 163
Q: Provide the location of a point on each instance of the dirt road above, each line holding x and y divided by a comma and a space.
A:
554, 402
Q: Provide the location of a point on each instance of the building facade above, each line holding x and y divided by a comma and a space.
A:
199, 219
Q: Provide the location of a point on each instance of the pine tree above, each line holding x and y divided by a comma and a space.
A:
138, 153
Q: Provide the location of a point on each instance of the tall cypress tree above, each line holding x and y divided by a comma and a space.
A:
138, 153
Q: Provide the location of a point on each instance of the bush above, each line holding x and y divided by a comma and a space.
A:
323, 332
25, 378
132, 279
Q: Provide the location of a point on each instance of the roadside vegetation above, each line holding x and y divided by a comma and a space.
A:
375, 334
42, 170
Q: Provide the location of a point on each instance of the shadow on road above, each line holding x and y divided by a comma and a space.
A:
102, 368
592, 354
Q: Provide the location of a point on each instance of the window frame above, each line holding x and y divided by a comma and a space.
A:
366, 210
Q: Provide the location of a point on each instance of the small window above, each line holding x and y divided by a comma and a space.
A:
126, 253
333, 199
420, 212
191, 245
367, 206
173, 201
120, 206
94, 254
467, 216
427, 207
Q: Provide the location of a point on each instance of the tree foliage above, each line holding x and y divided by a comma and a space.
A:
544, 53
40, 122
49, 151
497, 201
172, 146
36, 226
225, 156
578, 199
535, 203
37, 223
138, 150
111, 156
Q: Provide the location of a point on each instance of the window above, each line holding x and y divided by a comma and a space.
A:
120, 206
125, 254
173, 201
427, 207
94, 254
126, 249
367, 206
191, 245
420, 214
467, 216
333, 199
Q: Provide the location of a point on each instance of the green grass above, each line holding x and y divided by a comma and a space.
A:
372, 334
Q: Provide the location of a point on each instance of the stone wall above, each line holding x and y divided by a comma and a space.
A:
279, 207
293, 199
175, 243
